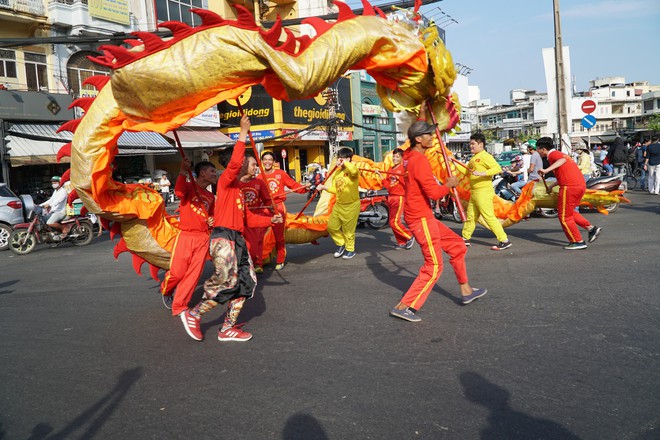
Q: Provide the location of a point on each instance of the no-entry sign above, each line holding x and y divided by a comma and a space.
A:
283, 153
588, 106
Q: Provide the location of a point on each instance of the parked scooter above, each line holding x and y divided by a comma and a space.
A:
373, 210
446, 207
26, 236
605, 183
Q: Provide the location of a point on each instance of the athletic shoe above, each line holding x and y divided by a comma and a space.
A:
410, 243
340, 251
576, 246
467, 242
191, 324
348, 255
167, 301
279, 266
594, 232
476, 293
258, 269
501, 246
405, 314
234, 334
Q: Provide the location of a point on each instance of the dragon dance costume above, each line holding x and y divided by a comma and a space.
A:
396, 188
345, 213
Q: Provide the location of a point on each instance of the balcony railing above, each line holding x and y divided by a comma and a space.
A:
69, 2
34, 7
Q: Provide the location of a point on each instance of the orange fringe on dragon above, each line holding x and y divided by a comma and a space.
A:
159, 84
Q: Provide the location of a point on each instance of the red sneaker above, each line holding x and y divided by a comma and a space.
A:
191, 324
234, 334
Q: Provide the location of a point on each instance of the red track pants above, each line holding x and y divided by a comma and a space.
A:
255, 241
434, 237
570, 219
186, 266
401, 232
278, 232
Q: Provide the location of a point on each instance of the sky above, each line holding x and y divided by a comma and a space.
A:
501, 40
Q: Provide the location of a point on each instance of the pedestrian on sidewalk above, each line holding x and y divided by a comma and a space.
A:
432, 235
481, 169
164, 185
652, 166
572, 187
233, 280
191, 247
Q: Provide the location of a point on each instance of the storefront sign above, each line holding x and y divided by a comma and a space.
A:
115, 11
256, 103
318, 135
256, 135
309, 111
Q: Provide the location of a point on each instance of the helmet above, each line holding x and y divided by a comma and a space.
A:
532, 143
55, 179
518, 158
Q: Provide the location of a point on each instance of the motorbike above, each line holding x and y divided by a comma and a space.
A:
605, 183
446, 207
373, 210
25, 236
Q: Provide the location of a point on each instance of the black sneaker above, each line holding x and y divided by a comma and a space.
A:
467, 242
501, 246
167, 301
410, 243
576, 246
340, 251
594, 232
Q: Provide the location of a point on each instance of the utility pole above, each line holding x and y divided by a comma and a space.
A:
562, 114
330, 96
4, 154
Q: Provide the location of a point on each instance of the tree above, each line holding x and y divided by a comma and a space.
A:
653, 124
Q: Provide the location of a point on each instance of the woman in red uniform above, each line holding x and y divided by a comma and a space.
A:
394, 183
256, 198
277, 180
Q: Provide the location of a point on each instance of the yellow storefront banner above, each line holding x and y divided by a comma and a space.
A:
115, 11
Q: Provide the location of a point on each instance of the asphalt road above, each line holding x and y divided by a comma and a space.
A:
564, 346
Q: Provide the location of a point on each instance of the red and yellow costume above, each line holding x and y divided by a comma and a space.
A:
256, 198
571, 190
432, 236
277, 180
191, 247
394, 182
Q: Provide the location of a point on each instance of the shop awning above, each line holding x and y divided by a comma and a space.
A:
199, 137
38, 144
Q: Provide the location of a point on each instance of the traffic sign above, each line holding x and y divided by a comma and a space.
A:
588, 106
283, 153
589, 121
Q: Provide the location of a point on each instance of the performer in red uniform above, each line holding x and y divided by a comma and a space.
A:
277, 180
432, 236
257, 200
233, 279
394, 182
571, 190
192, 244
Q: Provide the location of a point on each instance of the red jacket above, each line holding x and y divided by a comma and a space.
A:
568, 174
277, 181
421, 187
395, 183
230, 209
195, 207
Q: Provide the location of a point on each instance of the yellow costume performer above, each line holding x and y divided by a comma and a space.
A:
344, 216
481, 196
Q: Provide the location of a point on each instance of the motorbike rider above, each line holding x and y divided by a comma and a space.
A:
55, 206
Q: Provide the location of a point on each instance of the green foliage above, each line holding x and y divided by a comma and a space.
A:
654, 123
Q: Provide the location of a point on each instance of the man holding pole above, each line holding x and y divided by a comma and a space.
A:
571, 190
433, 236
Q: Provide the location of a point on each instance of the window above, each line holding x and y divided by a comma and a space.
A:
179, 10
368, 120
7, 63
36, 71
384, 121
79, 68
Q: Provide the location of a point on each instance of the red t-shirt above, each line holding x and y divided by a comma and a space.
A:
195, 207
395, 182
277, 180
567, 174
421, 187
230, 209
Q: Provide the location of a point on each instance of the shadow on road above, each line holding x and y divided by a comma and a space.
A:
96, 415
303, 426
504, 421
7, 284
